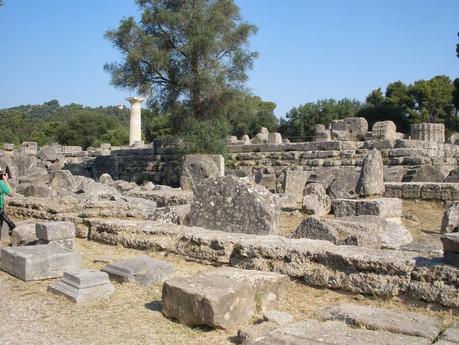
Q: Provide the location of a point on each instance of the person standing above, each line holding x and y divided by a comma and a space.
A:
5, 189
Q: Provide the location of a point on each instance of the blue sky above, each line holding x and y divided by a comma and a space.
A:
309, 49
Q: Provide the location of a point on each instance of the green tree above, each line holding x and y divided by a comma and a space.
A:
208, 136
86, 128
299, 122
188, 56
247, 114
432, 100
456, 94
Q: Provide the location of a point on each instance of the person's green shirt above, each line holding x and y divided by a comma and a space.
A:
4, 189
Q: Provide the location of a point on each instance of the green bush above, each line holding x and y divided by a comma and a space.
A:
208, 137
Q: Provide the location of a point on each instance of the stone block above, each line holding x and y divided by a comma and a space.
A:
24, 234
364, 231
384, 130
142, 270
66, 243
287, 201
383, 207
232, 204
451, 335
222, 298
8, 147
51, 231
38, 262
275, 138
379, 319
450, 242
83, 286
450, 220
295, 181
314, 332
428, 131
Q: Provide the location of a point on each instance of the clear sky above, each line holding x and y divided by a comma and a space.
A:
309, 49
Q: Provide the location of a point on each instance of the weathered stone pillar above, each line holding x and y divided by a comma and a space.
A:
135, 123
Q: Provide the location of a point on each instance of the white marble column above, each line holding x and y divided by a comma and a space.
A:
135, 123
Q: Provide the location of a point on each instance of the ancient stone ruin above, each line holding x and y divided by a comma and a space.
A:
332, 214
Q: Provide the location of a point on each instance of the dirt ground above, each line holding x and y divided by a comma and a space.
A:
31, 315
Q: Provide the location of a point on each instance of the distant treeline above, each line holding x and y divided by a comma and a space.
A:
434, 100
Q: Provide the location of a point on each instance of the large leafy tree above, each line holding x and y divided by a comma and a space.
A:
299, 123
188, 56
423, 101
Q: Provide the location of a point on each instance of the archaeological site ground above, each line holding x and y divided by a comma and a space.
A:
348, 239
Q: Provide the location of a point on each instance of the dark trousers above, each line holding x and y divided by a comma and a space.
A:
4, 218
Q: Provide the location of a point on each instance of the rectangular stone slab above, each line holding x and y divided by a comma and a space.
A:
86, 278
51, 231
143, 270
384, 320
333, 333
383, 207
39, 262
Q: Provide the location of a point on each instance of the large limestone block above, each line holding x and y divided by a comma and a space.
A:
270, 288
383, 207
83, 286
196, 168
142, 270
294, 183
384, 130
315, 200
314, 332
236, 205
426, 173
450, 242
380, 319
428, 131
39, 262
339, 182
365, 231
450, 220
221, 298
52, 231
274, 138
351, 128
24, 234
64, 181
371, 181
